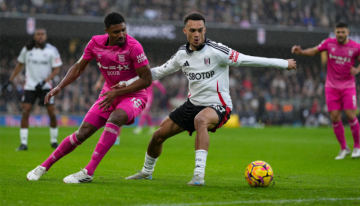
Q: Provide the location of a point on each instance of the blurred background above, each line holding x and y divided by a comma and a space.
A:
267, 28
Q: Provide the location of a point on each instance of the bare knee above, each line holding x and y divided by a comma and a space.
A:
26, 112
118, 117
200, 122
84, 132
157, 137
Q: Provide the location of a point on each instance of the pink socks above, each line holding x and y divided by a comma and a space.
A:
107, 140
354, 126
340, 133
66, 146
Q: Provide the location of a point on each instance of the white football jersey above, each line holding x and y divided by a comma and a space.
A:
39, 64
207, 70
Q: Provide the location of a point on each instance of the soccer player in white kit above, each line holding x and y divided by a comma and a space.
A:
42, 63
205, 63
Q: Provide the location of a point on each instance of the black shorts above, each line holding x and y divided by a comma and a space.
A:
185, 114
31, 96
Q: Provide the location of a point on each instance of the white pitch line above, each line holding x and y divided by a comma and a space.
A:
256, 202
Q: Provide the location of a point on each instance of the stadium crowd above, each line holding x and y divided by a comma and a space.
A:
268, 95
245, 13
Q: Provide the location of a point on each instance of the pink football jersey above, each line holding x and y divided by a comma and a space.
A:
116, 63
340, 59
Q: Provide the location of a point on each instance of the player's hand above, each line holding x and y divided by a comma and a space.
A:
5, 86
296, 49
108, 100
39, 86
291, 64
353, 71
119, 85
52, 93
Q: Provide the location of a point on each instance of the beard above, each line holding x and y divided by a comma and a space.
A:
41, 45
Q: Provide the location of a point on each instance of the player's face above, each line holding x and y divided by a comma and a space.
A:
195, 32
117, 34
40, 36
341, 34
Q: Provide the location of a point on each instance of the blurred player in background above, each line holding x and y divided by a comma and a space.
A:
119, 57
98, 86
42, 63
146, 114
205, 64
340, 92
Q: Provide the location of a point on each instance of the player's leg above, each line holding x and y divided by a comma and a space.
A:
167, 129
206, 120
24, 127
107, 139
334, 104
53, 126
69, 144
349, 102
50, 107
339, 131
355, 130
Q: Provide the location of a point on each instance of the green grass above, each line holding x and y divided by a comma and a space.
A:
305, 172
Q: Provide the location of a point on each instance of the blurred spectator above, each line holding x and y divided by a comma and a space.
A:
243, 13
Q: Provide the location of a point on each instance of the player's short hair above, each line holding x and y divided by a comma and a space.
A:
113, 18
196, 16
341, 25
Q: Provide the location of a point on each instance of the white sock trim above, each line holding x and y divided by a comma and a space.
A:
149, 164
54, 132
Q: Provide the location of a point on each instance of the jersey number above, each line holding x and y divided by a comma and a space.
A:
137, 102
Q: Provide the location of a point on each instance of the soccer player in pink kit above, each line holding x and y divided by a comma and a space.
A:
340, 89
120, 58
146, 114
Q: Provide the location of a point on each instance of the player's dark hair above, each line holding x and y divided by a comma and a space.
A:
196, 16
32, 43
341, 25
113, 18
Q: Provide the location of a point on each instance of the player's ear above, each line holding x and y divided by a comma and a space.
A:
106, 30
204, 30
184, 30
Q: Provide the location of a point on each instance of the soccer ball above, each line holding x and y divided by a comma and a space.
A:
259, 174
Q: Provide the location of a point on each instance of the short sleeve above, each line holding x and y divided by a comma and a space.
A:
323, 45
88, 54
56, 60
138, 56
22, 57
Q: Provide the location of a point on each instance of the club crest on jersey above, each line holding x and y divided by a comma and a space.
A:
207, 61
121, 58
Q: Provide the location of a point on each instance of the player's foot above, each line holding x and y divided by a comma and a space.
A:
54, 145
343, 153
117, 142
36, 173
137, 130
151, 130
197, 180
140, 175
356, 153
79, 177
22, 147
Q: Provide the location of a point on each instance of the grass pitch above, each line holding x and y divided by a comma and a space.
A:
305, 172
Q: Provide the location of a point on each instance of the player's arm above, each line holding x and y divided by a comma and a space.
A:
307, 52
143, 82
16, 71
74, 72
169, 67
54, 72
99, 82
355, 70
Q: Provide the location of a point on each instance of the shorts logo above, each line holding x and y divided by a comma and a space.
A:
218, 108
121, 58
136, 102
